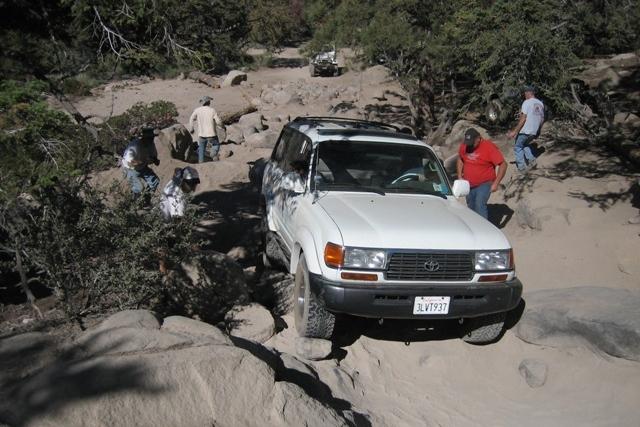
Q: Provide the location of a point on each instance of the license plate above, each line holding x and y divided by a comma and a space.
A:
431, 305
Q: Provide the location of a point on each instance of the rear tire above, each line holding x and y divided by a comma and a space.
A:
484, 329
312, 70
311, 319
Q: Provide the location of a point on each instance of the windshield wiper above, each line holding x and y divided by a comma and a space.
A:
417, 190
345, 187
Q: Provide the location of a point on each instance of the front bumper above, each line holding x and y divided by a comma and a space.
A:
395, 301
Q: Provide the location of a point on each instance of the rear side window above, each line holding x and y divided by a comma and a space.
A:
297, 153
279, 150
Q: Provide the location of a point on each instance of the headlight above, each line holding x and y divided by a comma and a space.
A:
494, 260
364, 258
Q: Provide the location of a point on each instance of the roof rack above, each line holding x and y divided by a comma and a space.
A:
356, 123
367, 132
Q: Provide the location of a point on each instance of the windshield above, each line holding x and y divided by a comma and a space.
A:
378, 167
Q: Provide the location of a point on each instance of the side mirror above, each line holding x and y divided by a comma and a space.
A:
293, 182
461, 187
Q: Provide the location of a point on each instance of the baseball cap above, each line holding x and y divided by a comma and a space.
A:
528, 88
204, 99
470, 136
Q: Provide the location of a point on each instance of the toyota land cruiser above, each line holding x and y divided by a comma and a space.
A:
366, 219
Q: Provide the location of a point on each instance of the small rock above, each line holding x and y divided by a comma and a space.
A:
313, 348
282, 98
635, 219
237, 252
234, 78
527, 217
253, 322
534, 371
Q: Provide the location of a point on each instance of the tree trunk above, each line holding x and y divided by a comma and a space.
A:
24, 282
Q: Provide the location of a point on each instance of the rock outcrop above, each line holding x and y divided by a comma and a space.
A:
192, 376
605, 319
234, 78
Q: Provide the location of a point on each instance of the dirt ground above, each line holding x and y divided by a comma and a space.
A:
407, 374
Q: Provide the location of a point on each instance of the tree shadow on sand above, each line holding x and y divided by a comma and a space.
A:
582, 158
71, 376
236, 221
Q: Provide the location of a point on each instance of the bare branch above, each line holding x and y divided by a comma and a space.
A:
111, 38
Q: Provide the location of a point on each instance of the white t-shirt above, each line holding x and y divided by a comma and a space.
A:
172, 203
534, 109
207, 118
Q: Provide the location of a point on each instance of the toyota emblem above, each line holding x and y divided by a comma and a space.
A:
431, 265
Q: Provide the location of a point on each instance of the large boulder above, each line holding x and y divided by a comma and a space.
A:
234, 78
205, 385
200, 332
206, 286
139, 319
265, 139
456, 136
250, 124
605, 319
252, 322
205, 380
178, 139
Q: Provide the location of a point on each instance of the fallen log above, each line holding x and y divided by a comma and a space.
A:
204, 78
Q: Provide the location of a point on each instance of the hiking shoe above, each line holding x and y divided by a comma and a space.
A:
532, 164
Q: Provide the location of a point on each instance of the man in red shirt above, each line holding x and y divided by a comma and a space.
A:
477, 162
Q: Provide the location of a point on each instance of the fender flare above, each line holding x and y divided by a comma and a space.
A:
305, 243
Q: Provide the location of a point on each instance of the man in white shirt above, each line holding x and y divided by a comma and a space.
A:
206, 118
136, 159
173, 201
527, 129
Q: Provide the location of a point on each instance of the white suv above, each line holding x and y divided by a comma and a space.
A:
365, 218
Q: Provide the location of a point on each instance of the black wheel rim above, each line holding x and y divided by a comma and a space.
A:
299, 301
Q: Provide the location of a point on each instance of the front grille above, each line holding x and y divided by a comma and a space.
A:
411, 266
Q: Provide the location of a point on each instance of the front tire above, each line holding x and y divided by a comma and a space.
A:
483, 330
311, 319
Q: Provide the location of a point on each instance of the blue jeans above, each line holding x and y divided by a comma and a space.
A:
522, 150
139, 178
477, 199
202, 144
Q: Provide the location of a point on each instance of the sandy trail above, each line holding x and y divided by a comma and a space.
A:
585, 239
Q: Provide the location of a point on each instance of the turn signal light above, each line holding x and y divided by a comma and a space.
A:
334, 255
512, 260
359, 276
493, 278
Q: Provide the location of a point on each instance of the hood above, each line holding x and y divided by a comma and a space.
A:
408, 221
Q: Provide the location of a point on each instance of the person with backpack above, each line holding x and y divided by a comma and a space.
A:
527, 129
